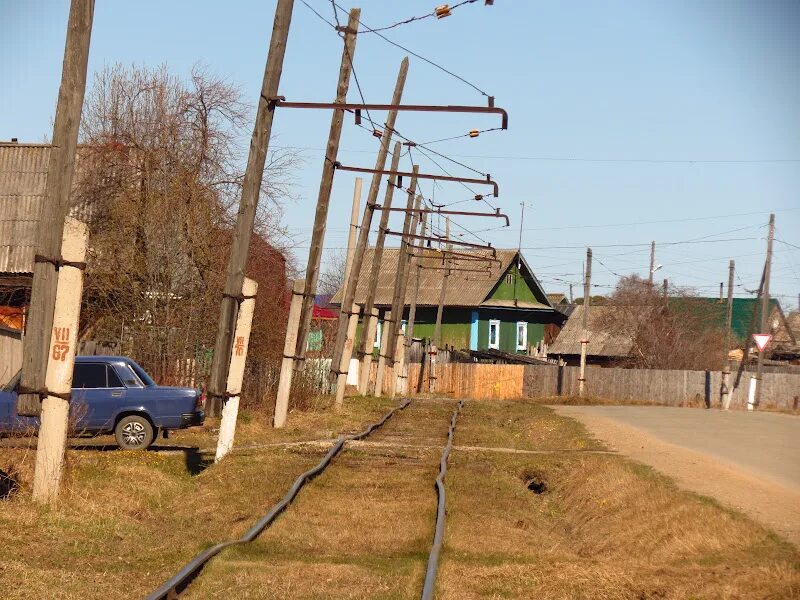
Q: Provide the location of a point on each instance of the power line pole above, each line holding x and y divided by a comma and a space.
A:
399, 358
50, 230
587, 283
344, 365
437, 328
348, 295
368, 329
398, 297
765, 327
725, 399
412, 310
251, 189
652, 262
324, 197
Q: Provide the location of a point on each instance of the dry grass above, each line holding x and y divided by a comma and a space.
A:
127, 520
604, 528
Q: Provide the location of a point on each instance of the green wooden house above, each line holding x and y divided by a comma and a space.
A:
498, 305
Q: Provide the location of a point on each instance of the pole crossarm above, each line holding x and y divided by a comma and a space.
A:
487, 181
437, 211
486, 271
280, 101
436, 238
455, 256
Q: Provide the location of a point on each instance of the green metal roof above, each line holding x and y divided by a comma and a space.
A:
742, 312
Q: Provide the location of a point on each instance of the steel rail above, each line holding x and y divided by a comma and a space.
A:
429, 587
178, 582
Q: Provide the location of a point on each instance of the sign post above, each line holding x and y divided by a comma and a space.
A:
761, 340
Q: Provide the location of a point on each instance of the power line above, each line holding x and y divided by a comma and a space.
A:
413, 19
427, 60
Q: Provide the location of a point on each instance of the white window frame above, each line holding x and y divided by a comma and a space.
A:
403, 325
524, 345
496, 345
376, 343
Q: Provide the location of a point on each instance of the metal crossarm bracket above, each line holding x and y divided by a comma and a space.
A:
486, 271
487, 181
355, 107
455, 256
437, 211
436, 238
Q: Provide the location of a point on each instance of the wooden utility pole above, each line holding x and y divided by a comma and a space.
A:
398, 367
401, 277
368, 330
251, 189
230, 410
652, 262
285, 380
349, 293
587, 284
765, 325
725, 393
52, 439
324, 197
50, 230
344, 366
412, 310
437, 328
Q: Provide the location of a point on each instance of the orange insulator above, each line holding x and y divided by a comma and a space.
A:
474, 133
377, 133
442, 11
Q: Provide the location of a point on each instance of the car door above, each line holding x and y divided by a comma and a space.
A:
97, 392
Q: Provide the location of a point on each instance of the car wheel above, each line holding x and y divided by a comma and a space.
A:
134, 432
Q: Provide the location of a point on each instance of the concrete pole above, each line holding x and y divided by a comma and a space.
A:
241, 342
725, 399
52, 439
344, 365
412, 310
285, 381
401, 278
399, 367
325, 187
348, 296
353, 231
248, 204
385, 332
50, 229
367, 340
765, 324
370, 326
587, 284
652, 262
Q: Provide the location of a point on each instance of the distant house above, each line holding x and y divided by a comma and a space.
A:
609, 342
503, 307
786, 341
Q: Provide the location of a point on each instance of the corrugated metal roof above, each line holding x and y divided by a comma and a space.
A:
23, 177
603, 341
463, 289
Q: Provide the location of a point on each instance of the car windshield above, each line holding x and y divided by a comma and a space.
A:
12, 383
142, 374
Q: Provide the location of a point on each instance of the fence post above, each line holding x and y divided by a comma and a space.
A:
241, 342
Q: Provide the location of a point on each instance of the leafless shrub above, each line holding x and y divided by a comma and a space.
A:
674, 331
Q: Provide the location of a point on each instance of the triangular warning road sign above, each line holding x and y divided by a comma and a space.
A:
762, 339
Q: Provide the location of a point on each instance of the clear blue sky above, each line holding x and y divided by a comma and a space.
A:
599, 94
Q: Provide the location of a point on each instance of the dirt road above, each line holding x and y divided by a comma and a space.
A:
747, 461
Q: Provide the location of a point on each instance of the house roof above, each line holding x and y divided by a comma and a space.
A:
783, 336
557, 298
23, 176
605, 339
464, 289
741, 313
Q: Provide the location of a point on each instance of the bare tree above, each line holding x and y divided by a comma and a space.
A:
679, 331
159, 175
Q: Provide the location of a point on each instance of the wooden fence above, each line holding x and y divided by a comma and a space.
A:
657, 386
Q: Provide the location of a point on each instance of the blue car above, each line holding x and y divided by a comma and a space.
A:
114, 394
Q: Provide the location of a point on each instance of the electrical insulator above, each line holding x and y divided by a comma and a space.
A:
442, 11
478, 196
474, 133
377, 133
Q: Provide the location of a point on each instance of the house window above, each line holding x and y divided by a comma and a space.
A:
403, 324
522, 335
377, 341
509, 278
494, 334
